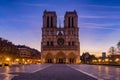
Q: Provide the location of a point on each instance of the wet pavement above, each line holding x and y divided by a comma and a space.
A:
98, 71
54, 72
7, 73
60, 72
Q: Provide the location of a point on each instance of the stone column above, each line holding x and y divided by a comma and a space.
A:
67, 60
54, 60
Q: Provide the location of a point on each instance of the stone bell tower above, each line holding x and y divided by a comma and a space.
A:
60, 45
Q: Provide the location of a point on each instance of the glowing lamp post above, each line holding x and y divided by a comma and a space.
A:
94, 61
117, 60
17, 60
23, 61
99, 60
106, 60
7, 59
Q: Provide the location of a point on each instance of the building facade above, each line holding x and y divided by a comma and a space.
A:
60, 44
24, 52
27, 55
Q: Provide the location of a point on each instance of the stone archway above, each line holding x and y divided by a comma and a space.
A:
71, 58
49, 58
60, 58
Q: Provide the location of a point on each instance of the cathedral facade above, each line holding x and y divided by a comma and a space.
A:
60, 44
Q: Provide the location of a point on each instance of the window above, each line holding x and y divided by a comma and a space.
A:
72, 22
51, 43
69, 44
60, 33
47, 43
73, 43
48, 21
69, 22
51, 21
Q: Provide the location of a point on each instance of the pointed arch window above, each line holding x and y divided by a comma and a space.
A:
69, 44
47, 21
72, 22
47, 43
51, 21
73, 43
69, 22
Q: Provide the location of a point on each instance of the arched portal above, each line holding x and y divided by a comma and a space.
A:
71, 58
49, 58
60, 58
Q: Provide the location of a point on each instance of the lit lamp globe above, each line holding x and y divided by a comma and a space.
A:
106, 60
117, 60
7, 59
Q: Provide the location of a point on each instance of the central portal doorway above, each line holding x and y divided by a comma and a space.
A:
61, 60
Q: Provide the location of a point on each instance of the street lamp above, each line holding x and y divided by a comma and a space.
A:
17, 60
7, 59
99, 60
7, 62
117, 59
94, 61
106, 60
23, 59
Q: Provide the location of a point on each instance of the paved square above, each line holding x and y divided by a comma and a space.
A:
54, 72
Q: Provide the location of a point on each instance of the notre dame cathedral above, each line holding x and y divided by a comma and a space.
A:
60, 44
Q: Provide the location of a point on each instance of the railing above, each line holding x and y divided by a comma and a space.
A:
60, 47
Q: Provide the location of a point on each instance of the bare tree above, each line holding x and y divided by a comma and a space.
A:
118, 46
112, 50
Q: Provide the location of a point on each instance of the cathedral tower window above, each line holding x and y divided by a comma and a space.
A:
72, 22
47, 43
73, 43
51, 22
48, 21
51, 43
69, 22
69, 44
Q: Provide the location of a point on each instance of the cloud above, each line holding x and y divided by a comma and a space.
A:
96, 16
98, 6
90, 16
103, 24
100, 26
104, 6
97, 27
35, 4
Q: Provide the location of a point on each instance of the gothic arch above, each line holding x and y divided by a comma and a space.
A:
60, 54
71, 57
60, 57
49, 58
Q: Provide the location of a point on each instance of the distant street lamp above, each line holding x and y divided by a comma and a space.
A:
17, 60
117, 60
99, 60
7, 59
23, 59
106, 60
94, 61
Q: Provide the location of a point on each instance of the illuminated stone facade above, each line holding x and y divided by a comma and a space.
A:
60, 44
